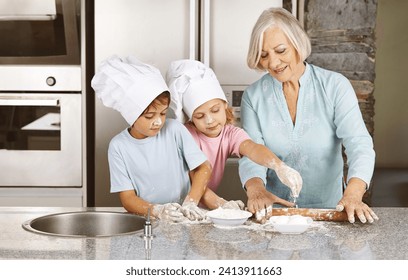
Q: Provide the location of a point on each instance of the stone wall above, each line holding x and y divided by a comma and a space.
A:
343, 40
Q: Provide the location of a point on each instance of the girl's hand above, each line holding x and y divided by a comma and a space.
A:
233, 204
260, 154
290, 177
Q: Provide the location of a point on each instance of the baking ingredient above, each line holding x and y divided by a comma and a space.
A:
222, 213
295, 224
233, 204
228, 217
262, 215
315, 214
156, 123
290, 220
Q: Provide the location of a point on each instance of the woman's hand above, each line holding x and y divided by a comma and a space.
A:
352, 202
260, 200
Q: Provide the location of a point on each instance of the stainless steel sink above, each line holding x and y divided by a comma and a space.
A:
86, 224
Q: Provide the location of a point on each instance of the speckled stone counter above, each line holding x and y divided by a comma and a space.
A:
384, 240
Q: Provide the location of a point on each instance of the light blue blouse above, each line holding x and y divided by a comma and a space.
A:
328, 117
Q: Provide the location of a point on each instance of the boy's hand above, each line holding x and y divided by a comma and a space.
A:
192, 211
168, 211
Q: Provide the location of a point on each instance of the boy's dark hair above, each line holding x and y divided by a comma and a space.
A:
163, 98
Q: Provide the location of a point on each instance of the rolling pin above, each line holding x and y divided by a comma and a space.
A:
315, 214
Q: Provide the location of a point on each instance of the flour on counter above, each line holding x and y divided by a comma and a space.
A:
251, 224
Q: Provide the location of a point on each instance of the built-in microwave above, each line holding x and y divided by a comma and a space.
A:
40, 32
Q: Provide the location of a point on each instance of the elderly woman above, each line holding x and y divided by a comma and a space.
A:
305, 114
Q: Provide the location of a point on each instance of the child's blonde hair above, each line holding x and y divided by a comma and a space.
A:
229, 113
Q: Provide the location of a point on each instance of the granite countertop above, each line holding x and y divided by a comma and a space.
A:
382, 240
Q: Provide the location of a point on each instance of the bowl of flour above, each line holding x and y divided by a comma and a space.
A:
294, 224
228, 217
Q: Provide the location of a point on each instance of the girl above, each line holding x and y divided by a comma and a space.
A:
196, 96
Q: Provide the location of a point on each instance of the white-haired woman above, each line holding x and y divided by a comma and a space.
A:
305, 114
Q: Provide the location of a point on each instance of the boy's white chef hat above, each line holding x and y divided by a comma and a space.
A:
127, 85
191, 84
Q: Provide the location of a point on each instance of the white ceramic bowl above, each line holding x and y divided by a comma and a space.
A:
228, 217
295, 224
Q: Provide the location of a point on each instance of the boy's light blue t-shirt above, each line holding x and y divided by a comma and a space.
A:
328, 117
155, 167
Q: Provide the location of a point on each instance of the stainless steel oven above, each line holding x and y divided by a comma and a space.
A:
40, 139
41, 97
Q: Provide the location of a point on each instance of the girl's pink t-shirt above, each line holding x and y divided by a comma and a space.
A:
218, 149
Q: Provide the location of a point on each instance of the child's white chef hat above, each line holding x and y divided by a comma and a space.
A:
191, 84
127, 85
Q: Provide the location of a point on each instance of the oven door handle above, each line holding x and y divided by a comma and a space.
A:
28, 102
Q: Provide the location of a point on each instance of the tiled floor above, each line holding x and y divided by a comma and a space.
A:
390, 188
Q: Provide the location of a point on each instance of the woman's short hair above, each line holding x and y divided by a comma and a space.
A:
285, 21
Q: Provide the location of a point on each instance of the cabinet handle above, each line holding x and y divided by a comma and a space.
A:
7, 101
205, 51
193, 29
